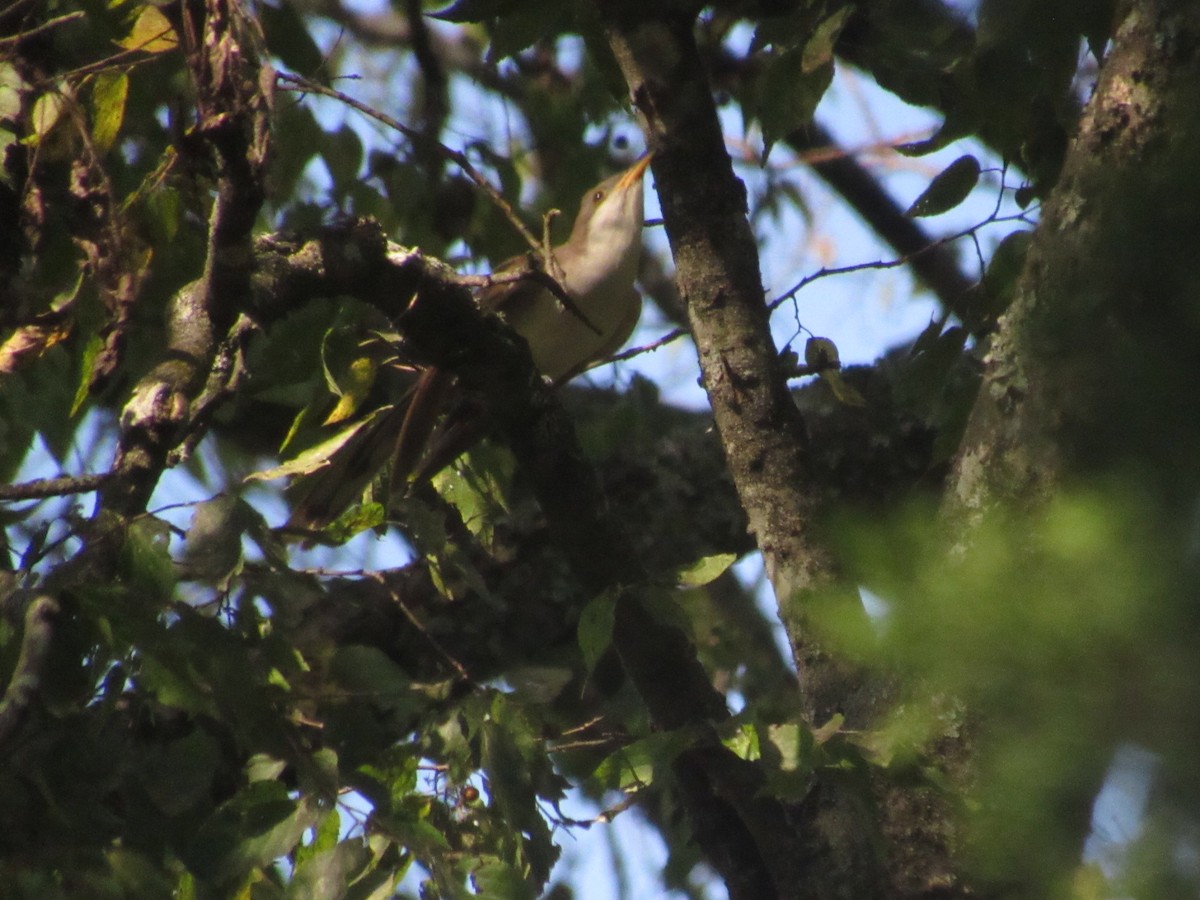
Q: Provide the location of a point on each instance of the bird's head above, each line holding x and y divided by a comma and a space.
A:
609, 224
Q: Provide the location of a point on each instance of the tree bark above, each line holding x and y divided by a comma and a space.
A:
1103, 317
1084, 382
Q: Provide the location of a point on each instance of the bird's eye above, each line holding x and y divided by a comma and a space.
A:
598, 196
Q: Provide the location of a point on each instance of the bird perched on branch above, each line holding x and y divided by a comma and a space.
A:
595, 268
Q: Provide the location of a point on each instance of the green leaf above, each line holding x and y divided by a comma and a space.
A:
499, 880
342, 151
526, 24
393, 774
518, 772
596, 628
475, 485
288, 38
788, 94
212, 548
961, 120
164, 209
91, 349
538, 684
796, 75
818, 50
745, 742
328, 872
261, 767
109, 91
664, 605
634, 766
146, 563
790, 754
469, 11
371, 677
176, 689
11, 86
948, 189
785, 32
705, 570
258, 826
179, 775
1004, 268
356, 519
325, 837
291, 157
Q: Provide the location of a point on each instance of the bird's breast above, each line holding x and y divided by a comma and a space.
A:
561, 341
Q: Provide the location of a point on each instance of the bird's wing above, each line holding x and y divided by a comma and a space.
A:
511, 297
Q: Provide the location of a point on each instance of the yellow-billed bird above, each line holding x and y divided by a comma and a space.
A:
597, 267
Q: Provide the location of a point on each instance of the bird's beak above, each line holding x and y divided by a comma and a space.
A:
634, 173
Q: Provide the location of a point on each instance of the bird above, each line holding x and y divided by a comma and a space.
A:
596, 268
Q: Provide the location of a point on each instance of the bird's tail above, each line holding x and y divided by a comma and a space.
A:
401, 434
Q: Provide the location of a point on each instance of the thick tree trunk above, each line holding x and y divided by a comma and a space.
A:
1089, 381
1105, 316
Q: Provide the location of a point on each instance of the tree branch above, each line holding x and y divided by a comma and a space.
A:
717, 270
704, 209
234, 103
41, 488
27, 674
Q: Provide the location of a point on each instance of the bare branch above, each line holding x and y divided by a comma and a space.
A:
41, 488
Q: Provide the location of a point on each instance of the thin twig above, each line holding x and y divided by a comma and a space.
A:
38, 29
420, 626
551, 275
669, 338
825, 271
605, 816
455, 156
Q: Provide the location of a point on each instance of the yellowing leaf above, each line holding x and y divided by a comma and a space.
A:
702, 571
821, 353
11, 85
355, 385
151, 33
314, 458
109, 91
821, 356
47, 110
818, 51
830, 729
